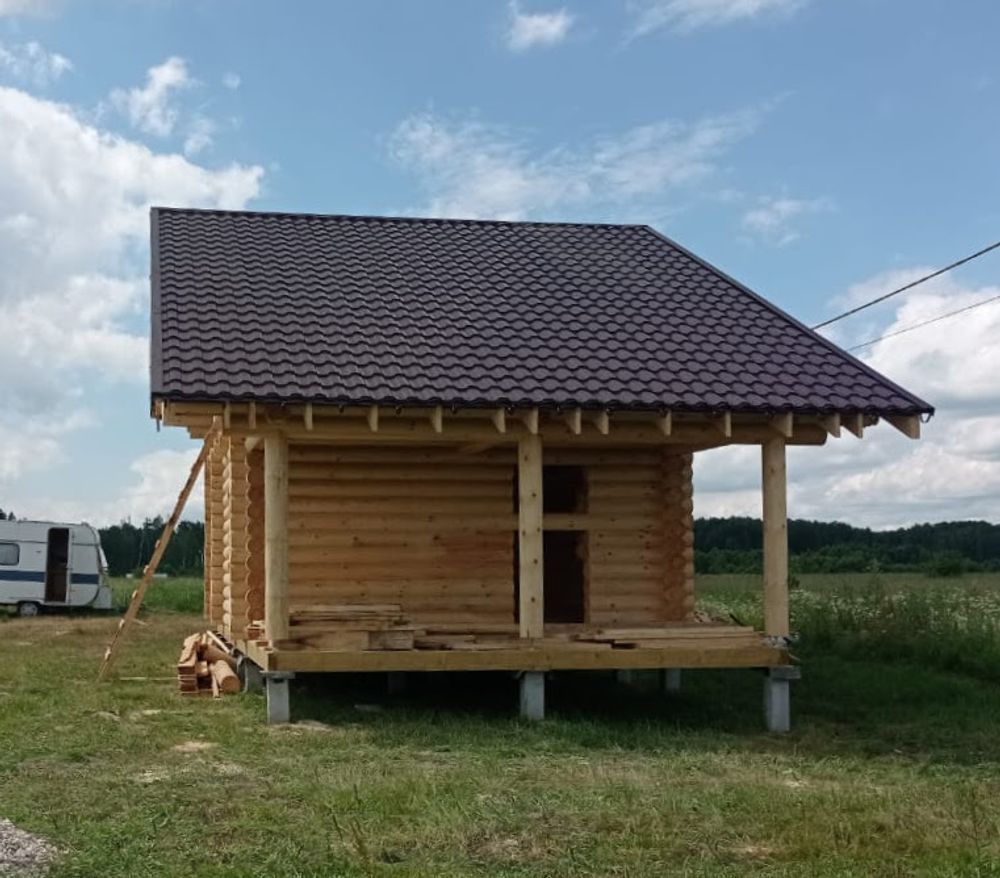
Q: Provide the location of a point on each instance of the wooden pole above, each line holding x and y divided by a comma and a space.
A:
111, 653
775, 509
532, 586
275, 537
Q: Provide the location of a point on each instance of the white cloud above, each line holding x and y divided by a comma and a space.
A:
74, 227
688, 15
529, 30
473, 169
773, 219
24, 7
231, 80
150, 108
200, 135
157, 478
32, 63
886, 480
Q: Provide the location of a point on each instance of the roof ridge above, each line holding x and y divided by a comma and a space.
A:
158, 209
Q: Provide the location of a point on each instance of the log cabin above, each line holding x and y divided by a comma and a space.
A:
443, 445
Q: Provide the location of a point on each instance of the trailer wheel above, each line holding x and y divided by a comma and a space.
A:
26, 609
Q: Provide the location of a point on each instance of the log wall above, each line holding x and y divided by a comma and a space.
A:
213, 533
430, 530
235, 557
434, 530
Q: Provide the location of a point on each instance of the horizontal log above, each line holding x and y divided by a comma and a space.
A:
338, 454
405, 524
340, 556
400, 472
404, 570
351, 488
399, 506
301, 537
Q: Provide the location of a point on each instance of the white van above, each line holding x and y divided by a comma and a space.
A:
44, 564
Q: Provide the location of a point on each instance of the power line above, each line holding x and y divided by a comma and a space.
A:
927, 322
908, 286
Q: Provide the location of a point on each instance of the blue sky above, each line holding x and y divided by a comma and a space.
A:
819, 151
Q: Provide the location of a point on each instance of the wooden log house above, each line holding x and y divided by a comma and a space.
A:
461, 445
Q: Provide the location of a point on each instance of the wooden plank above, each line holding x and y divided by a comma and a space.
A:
534, 658
530, 421
437, 418
276, 581
499, 418
603, 423
132, 612
574, 420
775, 523
664, 423
532, 589
372, 417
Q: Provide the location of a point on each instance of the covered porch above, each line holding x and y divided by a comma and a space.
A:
304, 553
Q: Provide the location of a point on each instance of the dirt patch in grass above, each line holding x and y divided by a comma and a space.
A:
23, 854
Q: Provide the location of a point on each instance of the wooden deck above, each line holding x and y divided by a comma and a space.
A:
687, 646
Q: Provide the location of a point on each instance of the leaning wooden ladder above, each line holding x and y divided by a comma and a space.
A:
111, 653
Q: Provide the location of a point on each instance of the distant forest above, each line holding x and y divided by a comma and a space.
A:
948, 548
722, 545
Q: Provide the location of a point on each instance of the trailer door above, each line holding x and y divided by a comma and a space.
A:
57, 566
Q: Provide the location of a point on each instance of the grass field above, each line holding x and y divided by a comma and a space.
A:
893, 766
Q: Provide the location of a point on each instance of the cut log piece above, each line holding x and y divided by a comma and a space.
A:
224, 677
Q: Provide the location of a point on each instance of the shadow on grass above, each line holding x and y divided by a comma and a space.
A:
840, 708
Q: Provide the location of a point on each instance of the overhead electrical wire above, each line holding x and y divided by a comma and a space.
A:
923, 323
908, 286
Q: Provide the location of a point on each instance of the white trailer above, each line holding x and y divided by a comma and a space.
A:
46, 564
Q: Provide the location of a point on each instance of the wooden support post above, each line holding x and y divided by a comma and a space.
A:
499, 419
437, 418
529, 481
307, 416
276, 537
372, 417
775, 508
602, 422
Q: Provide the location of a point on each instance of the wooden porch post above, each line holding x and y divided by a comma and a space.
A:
529, 481
775, 509
276, 537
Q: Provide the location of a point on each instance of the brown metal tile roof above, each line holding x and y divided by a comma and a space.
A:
362, 310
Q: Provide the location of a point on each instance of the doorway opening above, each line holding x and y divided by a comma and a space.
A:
57, 566
564, 552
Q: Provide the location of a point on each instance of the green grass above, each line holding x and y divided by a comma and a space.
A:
893, 767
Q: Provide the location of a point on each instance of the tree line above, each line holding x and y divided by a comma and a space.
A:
733, 545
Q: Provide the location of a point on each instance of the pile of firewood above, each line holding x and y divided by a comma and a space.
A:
206, 667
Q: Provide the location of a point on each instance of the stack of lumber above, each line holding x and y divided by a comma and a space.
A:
350, 628
206, 667
679, 634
